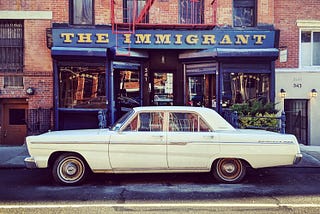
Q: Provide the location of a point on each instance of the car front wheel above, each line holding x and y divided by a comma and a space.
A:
69, 169
229, 170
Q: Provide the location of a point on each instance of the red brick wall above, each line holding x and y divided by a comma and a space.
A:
28, 5
287, 12
37, 57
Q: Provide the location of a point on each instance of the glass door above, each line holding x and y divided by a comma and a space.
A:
162, 87
201, 90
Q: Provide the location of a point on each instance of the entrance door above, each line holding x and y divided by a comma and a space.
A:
14, 127
201, 90
297, 119
162, 88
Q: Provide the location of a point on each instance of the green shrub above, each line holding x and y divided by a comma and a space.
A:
257, 115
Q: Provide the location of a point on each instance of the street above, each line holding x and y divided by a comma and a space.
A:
266, 190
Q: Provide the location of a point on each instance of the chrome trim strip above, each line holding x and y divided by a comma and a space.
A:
70, 142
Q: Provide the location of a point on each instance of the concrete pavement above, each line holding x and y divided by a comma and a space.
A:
13, 156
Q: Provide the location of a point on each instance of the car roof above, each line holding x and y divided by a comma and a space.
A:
216, 120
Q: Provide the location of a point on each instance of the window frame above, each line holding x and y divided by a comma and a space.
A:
245, 4
310, 63
125, 11
72, 14
194, 19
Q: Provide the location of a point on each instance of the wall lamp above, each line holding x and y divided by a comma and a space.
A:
283, 93
314, 93
30, 91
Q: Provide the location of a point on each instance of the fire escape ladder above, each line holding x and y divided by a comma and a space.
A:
127, 26
144, 12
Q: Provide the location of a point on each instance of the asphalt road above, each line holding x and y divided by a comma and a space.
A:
273, 190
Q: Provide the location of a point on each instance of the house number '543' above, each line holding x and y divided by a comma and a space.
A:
297, 85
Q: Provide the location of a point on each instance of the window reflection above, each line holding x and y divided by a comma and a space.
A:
82, 87
244, 88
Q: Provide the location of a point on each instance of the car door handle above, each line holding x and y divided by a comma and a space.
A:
159, 136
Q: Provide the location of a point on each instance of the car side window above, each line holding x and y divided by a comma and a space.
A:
186, 122
146, 121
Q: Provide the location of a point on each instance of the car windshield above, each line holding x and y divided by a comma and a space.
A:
118, 124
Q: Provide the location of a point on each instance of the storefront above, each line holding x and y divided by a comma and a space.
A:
96, 70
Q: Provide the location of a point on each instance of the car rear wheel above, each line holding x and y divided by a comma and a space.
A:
229, 170
69, 169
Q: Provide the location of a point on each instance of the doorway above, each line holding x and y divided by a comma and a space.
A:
126, 90
201, 90
297, 119
162, 88
13, 126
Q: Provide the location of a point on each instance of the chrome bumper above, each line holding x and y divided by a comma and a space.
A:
30, 163
297, 158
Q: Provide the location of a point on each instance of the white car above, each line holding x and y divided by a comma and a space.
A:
161, 139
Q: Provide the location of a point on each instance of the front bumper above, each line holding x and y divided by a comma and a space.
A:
30, 163
297, 158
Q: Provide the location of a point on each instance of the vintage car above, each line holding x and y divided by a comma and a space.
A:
161, 139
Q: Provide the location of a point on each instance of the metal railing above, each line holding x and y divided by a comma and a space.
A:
38, 121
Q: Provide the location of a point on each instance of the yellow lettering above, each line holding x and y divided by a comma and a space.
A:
102, 38
162, 39
192, 39
127, 38
178, 39
226, 40
242, 39
143, 38
259, 39
67, 37
209, 39
84, 37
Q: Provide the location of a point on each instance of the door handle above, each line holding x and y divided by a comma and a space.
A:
5, 133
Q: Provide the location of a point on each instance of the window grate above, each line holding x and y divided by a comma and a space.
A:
11, 45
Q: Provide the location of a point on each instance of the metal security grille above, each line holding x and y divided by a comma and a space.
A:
297, 119
11, 45
38, 121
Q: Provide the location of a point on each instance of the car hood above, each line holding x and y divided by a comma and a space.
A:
70, 135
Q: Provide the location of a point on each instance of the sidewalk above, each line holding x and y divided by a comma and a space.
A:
13, 156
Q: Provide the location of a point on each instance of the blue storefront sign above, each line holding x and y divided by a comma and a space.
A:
164, 39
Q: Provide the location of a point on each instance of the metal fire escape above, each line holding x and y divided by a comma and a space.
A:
126, 18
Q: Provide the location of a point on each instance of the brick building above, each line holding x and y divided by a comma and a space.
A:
297, 70
72, 61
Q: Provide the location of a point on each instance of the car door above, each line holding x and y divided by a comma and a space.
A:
141, 145
191, 142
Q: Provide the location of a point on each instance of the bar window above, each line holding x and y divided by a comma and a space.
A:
244, 88
81, 12
82, 87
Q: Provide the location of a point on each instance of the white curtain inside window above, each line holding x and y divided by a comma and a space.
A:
82, 12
